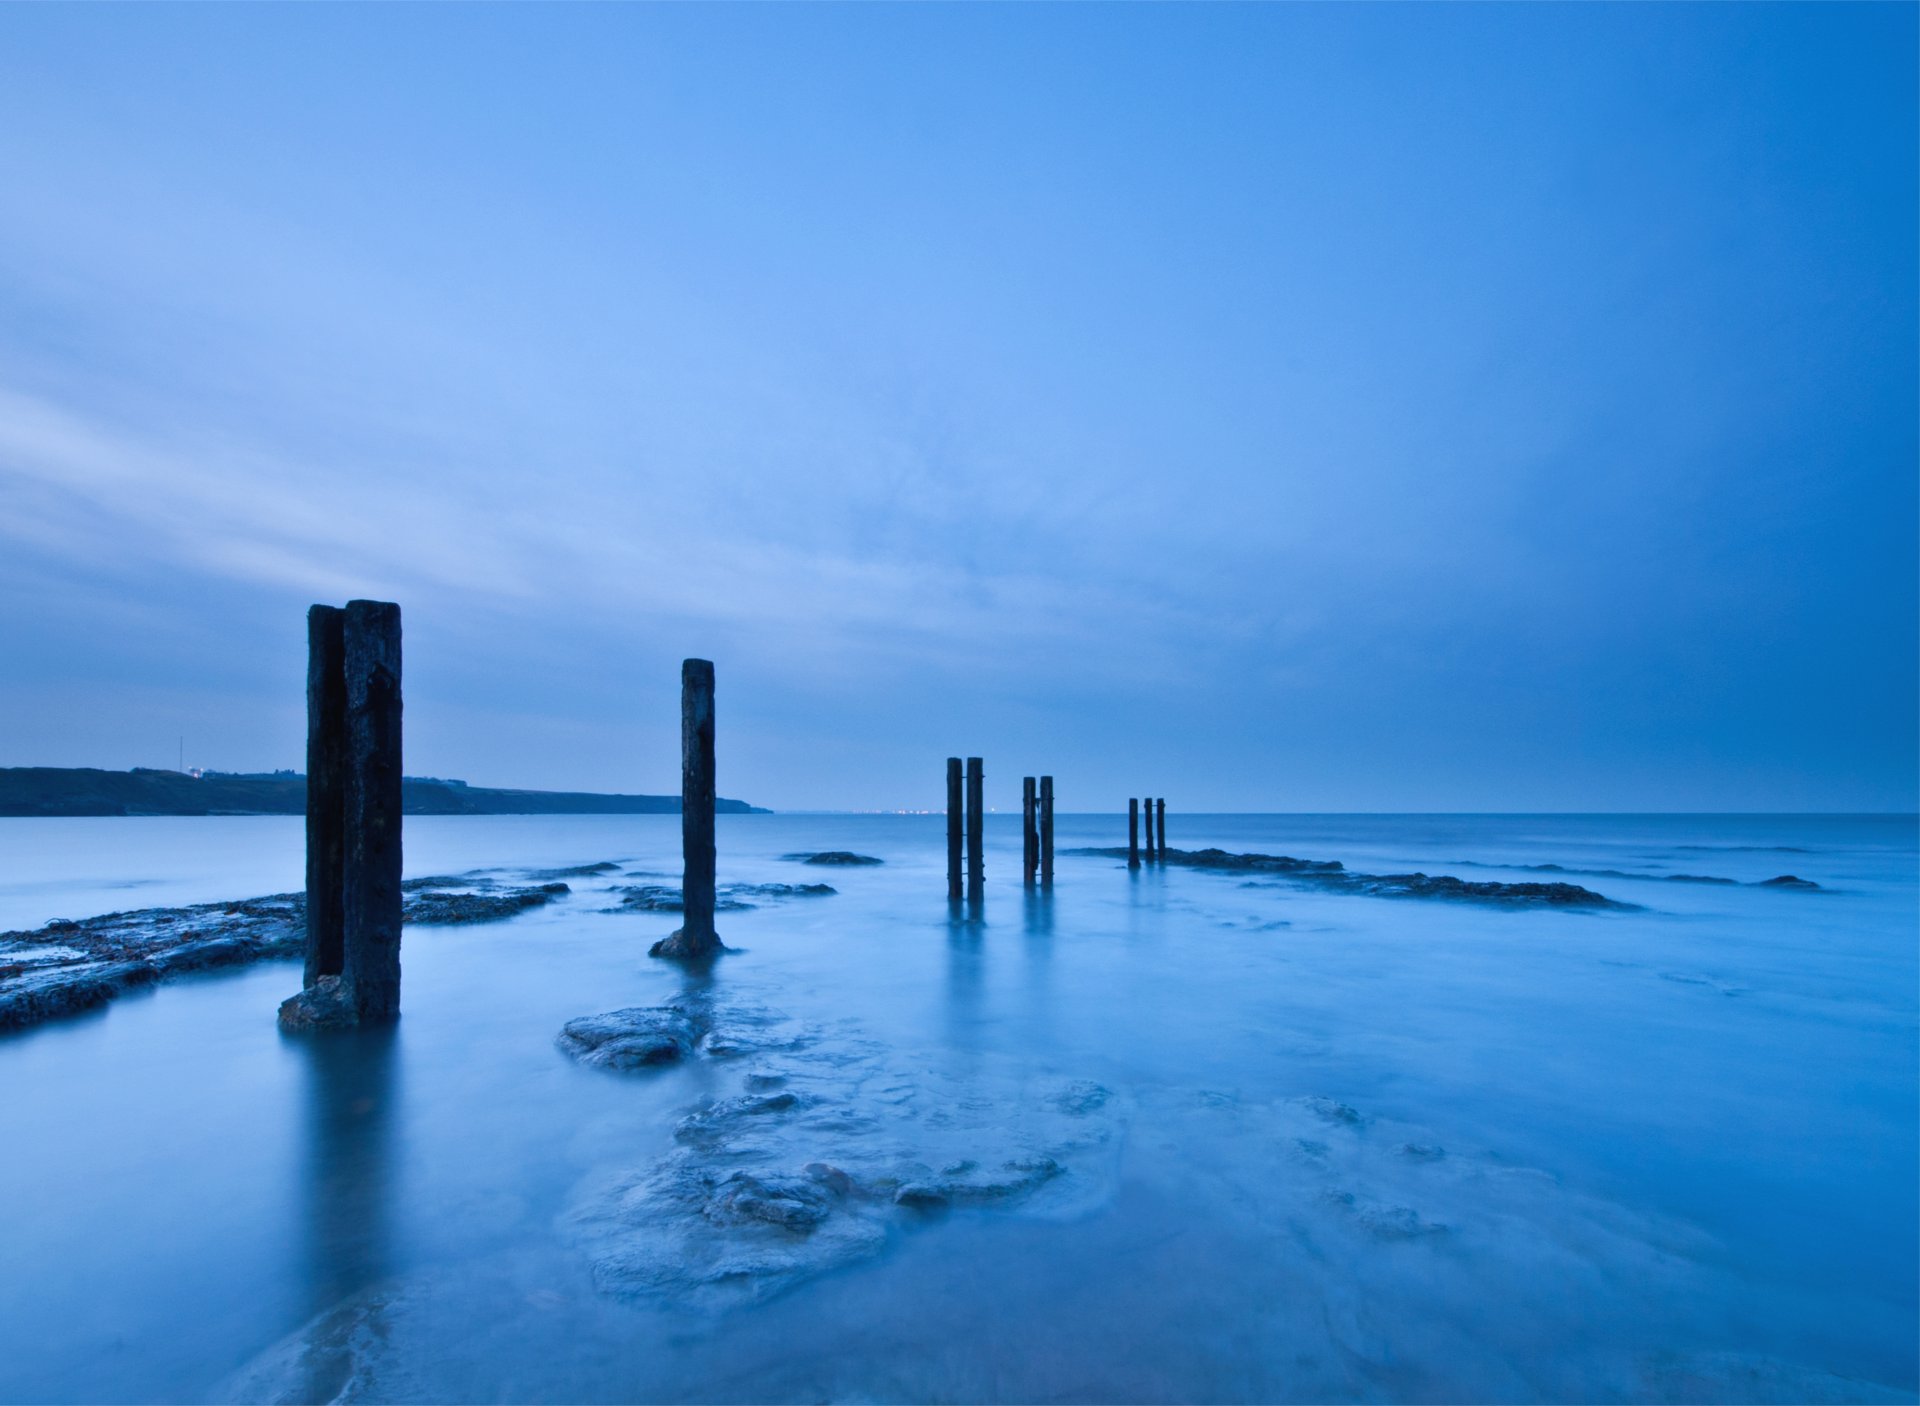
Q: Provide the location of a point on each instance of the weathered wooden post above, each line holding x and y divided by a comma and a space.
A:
955, 827
976, 819
1046, 831
370, 893
1160, 813
1029, 831
695, 940
1146, 804
326, 781
1133, 832
352, 974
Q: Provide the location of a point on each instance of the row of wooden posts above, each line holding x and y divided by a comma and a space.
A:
354, 774
1155, 811
966, 824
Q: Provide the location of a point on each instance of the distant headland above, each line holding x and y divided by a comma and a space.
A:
49, 790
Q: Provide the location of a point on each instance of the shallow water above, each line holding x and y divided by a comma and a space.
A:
1354, 1148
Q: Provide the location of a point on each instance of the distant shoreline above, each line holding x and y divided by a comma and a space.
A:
89, 791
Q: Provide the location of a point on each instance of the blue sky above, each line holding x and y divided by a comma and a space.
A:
1320, 407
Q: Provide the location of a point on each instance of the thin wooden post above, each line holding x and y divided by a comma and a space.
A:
1146, 804
370, 890
1029, 831
1160, 812
1133, 832
976, 818
695, 940
1046, 832
326, 779
955, 827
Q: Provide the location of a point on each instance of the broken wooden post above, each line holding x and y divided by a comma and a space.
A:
1046, 832
955, 827
695, 940
976, 818
1029, 831
352, 974
326, 779
1160, 824
370, 893
1133, 832
1146, 804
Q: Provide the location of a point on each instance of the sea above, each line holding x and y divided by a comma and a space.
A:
1218, 1136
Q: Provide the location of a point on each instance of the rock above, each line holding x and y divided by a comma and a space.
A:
65, 966
449, 908
694, 949
326, 1005
795, 1202
839, 857
577, 871
37, 994
638, 1037
1332, 875
1081, 1097
1788, 881
199, 956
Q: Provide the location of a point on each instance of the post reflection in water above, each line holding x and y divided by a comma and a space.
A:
351, 1111
965, 969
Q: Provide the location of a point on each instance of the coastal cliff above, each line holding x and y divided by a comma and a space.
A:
46, 791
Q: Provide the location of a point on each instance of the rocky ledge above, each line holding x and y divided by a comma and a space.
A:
70, 966
1333, 876
841, 858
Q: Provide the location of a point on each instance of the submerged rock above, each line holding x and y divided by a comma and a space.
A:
1335, 877
829, 1150
577, 871
728, 898
639, 1037
840, 857
445, 908
1788, 881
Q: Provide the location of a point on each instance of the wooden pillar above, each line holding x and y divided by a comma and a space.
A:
976, 819
696, 799
956, 827
326, 777
370, 890
695, 940
1160, 824
1133, 832
1046, 831
1029, 831
1146, 805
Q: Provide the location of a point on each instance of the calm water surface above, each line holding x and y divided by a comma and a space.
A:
1364, 1149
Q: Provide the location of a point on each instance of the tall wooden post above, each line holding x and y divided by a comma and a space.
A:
976, 819
1046, 831
1160, 824
695, 940
1029, 831
955, 827
1146, 804
370, 891
1133, 832
326, 782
